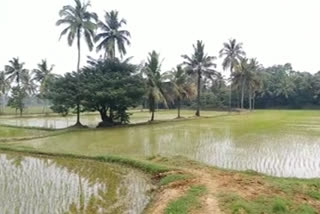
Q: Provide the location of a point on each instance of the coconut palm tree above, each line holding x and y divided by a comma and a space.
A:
4, 87
14, 70
232, 53
240, 76
112, 36
28, 84
200, 65
253, 81
181, 85
42, 73
154, 82
79, 22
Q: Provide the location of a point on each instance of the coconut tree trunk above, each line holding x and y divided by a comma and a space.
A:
230, 92
152, 106
242, 93
78, 123
179, 106
253, 100
250, 98
152, 115
198, 97
3, 102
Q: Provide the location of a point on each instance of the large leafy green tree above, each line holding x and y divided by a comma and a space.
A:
64, 93
79, 23
14, 70
232, 53
201, 65
111, 86
112, 35
154, 82
181, 86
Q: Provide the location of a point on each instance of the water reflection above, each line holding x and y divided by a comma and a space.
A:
37, 185
57, 122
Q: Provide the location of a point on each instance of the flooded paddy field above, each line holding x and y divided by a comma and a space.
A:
278, 143
31, 184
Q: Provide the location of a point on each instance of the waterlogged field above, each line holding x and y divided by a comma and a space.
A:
41, 185
92, 120
11, 132
279, 143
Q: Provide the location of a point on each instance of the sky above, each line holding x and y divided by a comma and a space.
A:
273, 31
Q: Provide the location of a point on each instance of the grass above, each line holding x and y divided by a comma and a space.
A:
314, 194
147, 167
292, 186
173, 178
187, 202
235, 204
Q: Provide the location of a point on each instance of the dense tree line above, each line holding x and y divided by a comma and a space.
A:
111, 84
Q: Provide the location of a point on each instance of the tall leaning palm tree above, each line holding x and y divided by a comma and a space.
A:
112, 35
154, 81
232, 53
181, 85
200, 65
14, 70
79, 22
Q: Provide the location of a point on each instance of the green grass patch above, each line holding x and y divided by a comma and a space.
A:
314, 194
291, 186
235, 204
306, 209
186, 203
172, 178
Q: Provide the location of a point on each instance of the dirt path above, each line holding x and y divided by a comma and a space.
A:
209, 201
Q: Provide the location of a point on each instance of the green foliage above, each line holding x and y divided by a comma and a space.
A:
110, 87
154, 82
14, 70
112, 35
78, 21
172, 178
185, 203
201, 66
64, 93
16, 100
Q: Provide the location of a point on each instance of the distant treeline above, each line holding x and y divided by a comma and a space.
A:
111, 84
